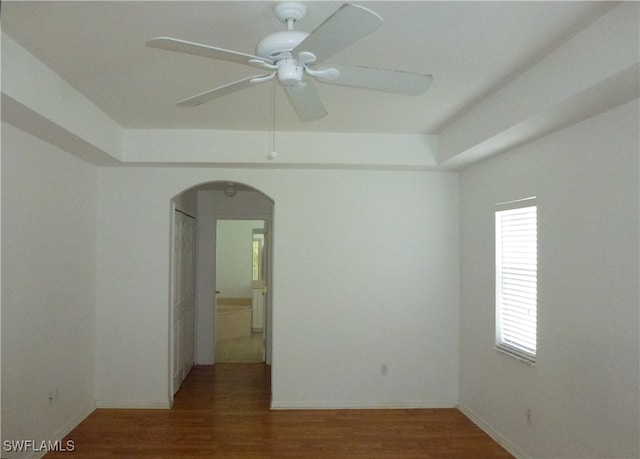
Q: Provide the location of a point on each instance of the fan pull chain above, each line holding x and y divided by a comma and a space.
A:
272, 155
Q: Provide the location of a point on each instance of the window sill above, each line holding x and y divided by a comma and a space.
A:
526, 359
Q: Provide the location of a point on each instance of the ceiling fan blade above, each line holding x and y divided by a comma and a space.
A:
221, 91
197, 49
344, 27
411, 84
305, 100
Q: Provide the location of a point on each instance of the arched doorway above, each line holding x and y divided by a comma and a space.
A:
209, 203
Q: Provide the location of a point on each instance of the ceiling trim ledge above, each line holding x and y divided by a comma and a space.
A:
36, 100
31, 122
592, 72
293, 149
617, 90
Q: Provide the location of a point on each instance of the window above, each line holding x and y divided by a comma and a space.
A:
257, 265
516, 278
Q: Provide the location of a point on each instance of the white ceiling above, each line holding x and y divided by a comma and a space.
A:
471, 49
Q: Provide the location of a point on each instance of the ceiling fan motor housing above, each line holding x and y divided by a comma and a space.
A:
279, 45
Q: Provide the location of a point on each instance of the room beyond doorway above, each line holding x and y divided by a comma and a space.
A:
240, 306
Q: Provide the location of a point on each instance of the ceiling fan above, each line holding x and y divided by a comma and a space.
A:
293, 56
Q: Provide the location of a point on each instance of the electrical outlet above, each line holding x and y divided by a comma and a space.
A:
384, 369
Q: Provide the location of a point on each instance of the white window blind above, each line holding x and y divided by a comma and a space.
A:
516, 278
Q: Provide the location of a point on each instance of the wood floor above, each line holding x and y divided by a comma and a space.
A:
222, 411
246, 349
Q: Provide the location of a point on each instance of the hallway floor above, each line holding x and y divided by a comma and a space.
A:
222, 411
247, 349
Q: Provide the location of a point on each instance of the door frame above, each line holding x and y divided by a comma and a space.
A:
206, 222
268, 226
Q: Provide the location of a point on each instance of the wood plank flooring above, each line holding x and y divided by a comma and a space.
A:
222, 411
247, 349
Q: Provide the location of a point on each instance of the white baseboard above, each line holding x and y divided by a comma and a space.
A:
492, 432
333, 405
65, 430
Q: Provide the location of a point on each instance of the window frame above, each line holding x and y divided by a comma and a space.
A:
516, 346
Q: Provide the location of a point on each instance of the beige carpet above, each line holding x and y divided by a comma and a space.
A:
240, 350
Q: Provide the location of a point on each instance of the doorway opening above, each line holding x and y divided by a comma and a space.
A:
241, 272
226, 204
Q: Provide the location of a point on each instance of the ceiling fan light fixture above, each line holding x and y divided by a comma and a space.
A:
289, 72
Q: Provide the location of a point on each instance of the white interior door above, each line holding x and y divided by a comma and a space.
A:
189, 294
183, 298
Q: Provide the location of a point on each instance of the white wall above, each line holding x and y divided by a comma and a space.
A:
49, 282
365, 273
187, 202
132, 306
583, 390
